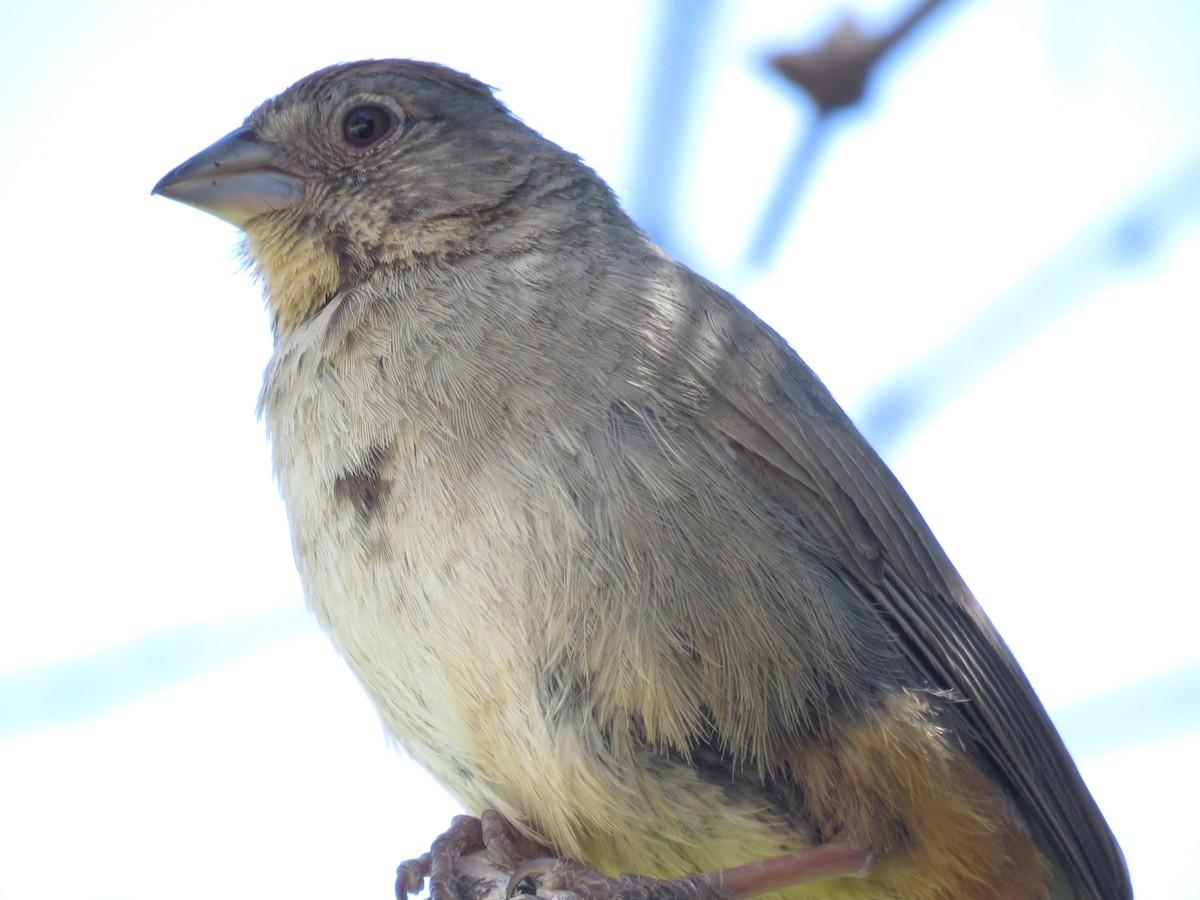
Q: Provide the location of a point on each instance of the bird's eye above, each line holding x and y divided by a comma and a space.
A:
366, 125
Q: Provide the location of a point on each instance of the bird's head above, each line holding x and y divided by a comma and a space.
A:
359, 167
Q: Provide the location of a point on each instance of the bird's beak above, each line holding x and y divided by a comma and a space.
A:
239, 177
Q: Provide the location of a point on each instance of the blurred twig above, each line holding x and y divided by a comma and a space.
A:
678, 60
1160, 707
1152, 218
66, 693
834, 76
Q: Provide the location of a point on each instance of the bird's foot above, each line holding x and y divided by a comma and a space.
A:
506, 846
835, 859
465, 835
491, 832
565, 875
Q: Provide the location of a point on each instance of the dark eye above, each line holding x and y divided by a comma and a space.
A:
366, 125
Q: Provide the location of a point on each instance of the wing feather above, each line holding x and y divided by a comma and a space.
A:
780, 424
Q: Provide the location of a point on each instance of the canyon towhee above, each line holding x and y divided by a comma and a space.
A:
606, 555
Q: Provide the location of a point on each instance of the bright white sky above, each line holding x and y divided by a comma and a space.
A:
171, 724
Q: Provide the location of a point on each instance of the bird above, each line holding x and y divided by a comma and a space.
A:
606, 555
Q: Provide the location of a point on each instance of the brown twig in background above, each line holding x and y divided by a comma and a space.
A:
834, 76
835, 73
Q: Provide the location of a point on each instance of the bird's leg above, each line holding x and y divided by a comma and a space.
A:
735, 883
505, 846
831, 860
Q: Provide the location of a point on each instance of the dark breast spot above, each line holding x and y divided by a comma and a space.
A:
363, 485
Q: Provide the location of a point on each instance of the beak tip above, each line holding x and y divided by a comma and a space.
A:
162, 186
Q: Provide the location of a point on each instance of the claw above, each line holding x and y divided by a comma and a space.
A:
526, 872
588, 884
410, 876
506, 847
465, 835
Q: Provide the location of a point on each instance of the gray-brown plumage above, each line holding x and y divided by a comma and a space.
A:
606, 555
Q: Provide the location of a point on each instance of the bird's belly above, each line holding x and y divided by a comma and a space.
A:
432, 613
426, 615
437, 586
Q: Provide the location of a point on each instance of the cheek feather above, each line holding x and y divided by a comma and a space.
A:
302, 273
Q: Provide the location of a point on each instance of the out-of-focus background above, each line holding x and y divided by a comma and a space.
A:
993, 261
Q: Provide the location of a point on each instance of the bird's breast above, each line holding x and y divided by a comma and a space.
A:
413, 531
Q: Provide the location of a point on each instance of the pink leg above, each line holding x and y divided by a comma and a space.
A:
824, 861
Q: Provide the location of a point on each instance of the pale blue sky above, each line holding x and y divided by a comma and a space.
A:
171, 724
